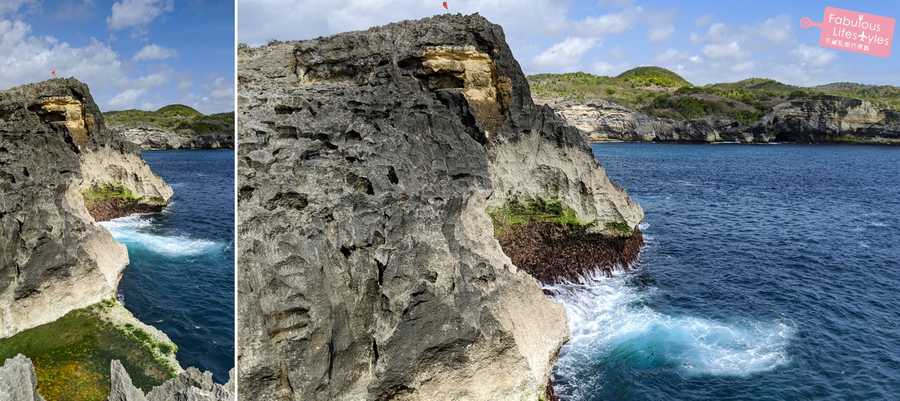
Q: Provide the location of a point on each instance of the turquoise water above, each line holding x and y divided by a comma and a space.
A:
181, 275
770, 273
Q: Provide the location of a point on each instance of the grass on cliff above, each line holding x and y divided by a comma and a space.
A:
111, 192
533, 210
72, 355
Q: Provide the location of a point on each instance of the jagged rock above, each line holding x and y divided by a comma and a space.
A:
18, 381
53, 256
810, 119
151, 138
830, 118
368, 269
189, 385
121, 388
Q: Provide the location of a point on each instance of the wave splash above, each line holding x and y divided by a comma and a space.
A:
135, 231
610, 322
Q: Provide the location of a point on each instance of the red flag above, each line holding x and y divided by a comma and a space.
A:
53, 72
445, 6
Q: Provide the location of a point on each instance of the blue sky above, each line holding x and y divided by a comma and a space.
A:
141, 54
704, 41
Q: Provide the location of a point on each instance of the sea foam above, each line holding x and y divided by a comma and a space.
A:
135, 231
610, 321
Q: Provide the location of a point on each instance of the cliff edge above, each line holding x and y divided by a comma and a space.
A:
372, 167
60, 171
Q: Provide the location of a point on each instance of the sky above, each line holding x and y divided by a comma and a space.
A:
141, 54
703, 41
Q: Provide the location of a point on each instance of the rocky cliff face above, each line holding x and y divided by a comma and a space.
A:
812, 119
368, 267
150, 138
54, 150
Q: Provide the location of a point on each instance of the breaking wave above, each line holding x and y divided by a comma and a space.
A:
136, 230
610, 322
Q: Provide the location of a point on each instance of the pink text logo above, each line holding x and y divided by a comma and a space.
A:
854, 31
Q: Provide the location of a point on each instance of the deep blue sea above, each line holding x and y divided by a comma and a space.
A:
771, 272
181, 275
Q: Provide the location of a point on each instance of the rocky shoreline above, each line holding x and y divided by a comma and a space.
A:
151, 138
62, 171
369, 165
810, 119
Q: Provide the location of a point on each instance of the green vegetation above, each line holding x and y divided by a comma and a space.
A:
620, 229
99, 193
173, 117
662, 93
533, 210
652, 76
72, 354
109, 192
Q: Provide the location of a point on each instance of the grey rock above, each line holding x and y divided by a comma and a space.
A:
367, 265
53, 256
18, 381
809, 119
151, 138
121, 388
189, 385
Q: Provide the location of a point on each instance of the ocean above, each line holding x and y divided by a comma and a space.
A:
771, 272
181, 275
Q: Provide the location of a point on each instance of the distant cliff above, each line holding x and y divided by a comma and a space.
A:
174, 127
377, 171
640, 105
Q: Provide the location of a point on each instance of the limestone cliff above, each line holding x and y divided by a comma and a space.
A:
808, 119
54, 151
368, 267
151, 138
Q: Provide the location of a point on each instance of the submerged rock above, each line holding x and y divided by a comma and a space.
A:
54, 149
18, 381
368, 268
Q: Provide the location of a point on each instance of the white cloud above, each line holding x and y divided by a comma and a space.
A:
610, 69
154, 52
670, 55
813, 56
609, 23
727, 50
126, 98
564, 54
703, 20
776, 29
660, 24
695, 59
30, 58
137, 14
12, 6
660, 33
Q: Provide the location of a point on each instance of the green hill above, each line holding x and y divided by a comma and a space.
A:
171, 117
653, 76
663, 93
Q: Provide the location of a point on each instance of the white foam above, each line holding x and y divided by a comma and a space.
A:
131, 230
609, 321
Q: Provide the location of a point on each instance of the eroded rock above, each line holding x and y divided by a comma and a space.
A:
368, 269
54, 258
18, 381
